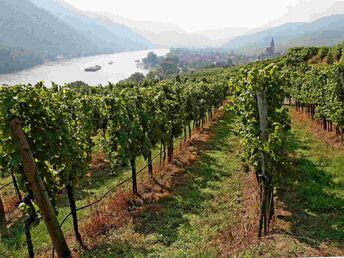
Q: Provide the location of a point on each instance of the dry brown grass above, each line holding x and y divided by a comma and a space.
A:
245, 233
12, 213
109, 215
98, 160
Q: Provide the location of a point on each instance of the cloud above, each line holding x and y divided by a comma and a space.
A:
304, 11
194, 15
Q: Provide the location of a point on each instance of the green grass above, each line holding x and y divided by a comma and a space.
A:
316, 187
204, 204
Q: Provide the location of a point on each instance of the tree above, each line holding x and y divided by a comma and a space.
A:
151, 60
169, 66
136, 77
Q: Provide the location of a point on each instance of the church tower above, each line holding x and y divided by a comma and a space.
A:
270, 51
272, 46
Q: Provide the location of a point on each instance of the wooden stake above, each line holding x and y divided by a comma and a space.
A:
2, 213
39, 193
266, 208
263, 120
342, 79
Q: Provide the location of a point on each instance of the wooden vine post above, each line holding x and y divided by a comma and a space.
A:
39, 193
342, 79
266, 208
2, 213
2, 220
341, 126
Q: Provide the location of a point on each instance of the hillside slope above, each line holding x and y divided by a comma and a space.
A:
13, 59
23, 25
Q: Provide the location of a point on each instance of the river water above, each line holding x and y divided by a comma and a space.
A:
66, 71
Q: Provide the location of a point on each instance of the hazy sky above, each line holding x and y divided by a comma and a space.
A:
193, 15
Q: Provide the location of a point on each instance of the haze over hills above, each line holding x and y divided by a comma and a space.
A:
336, 8
169, 39
306, 11
287, 30
223, 33
325, 31
152, 26
170, 35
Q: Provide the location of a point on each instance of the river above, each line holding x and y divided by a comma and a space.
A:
66, 71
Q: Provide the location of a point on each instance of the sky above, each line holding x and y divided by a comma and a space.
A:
195, 15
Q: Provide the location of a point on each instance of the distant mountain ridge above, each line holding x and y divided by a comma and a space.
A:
325, 31
103, 32
168, 35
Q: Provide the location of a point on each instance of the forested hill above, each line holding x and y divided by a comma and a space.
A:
24, 25
325, 31
13, 59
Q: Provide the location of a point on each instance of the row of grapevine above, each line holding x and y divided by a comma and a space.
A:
132, 119
51, 121
257, 87
315, 88
318, 89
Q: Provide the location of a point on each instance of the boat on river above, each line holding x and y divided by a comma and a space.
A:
93, 68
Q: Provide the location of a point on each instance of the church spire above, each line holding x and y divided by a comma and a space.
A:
270, 51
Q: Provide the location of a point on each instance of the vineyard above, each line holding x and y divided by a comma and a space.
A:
51, 138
